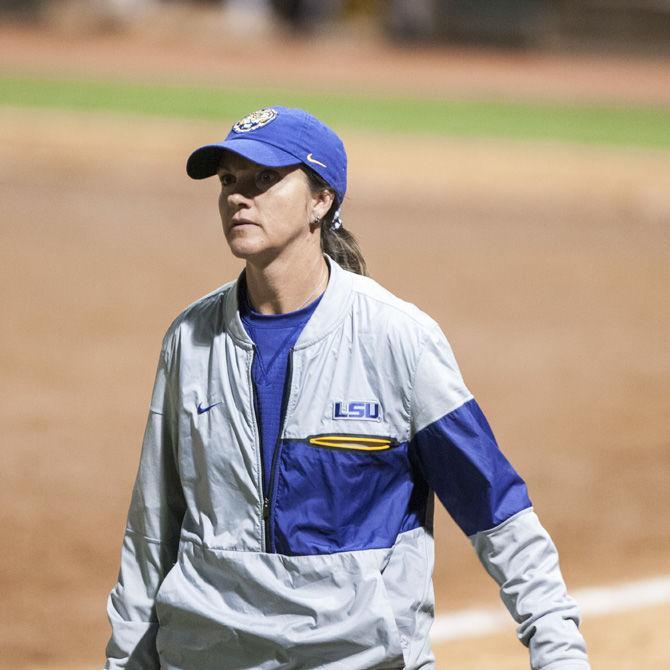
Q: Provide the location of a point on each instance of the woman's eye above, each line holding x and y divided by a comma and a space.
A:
226, 179
267, 177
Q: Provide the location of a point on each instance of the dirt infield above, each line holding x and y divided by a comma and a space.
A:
546, 265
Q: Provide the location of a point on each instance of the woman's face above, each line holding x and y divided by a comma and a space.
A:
265, 210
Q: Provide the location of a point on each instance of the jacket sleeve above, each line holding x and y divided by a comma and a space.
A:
456, 452
151, 538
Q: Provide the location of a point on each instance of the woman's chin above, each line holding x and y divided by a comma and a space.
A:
242, 246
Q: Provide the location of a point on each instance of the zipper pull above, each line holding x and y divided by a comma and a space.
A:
266, 508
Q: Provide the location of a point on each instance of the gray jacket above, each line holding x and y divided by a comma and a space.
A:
334, 569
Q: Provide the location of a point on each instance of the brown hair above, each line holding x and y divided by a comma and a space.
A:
338, 243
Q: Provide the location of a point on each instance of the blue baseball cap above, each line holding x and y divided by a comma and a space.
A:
278, 137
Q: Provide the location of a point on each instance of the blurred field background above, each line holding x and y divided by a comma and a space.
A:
509, 173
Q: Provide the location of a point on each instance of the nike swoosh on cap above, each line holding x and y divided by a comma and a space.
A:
311, 159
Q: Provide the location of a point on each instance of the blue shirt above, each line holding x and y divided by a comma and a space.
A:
274, 336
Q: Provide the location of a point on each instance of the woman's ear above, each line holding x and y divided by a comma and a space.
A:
322, 203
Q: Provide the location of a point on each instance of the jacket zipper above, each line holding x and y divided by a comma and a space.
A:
268, 501
282, 419
260, 448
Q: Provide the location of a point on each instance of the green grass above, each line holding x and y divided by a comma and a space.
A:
590, 124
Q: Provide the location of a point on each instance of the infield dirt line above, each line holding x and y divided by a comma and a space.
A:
595, 601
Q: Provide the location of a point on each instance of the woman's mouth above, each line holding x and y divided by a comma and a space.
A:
235, 223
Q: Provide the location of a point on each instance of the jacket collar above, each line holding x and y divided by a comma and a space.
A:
330, 311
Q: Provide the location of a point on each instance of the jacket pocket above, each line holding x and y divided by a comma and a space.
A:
256, 609
368, 443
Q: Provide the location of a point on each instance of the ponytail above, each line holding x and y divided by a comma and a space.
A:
343, 248
337, 242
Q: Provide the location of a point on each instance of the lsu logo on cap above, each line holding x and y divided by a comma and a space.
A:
255, 120
366, 410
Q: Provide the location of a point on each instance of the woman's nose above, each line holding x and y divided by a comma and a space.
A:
237, 199
241, 192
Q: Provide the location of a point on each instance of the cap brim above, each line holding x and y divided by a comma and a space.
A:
204, 162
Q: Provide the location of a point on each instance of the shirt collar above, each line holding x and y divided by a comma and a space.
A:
330, 311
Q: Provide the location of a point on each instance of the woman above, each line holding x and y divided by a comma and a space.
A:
302, 417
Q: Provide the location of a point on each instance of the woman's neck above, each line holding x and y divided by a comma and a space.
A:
283, 286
